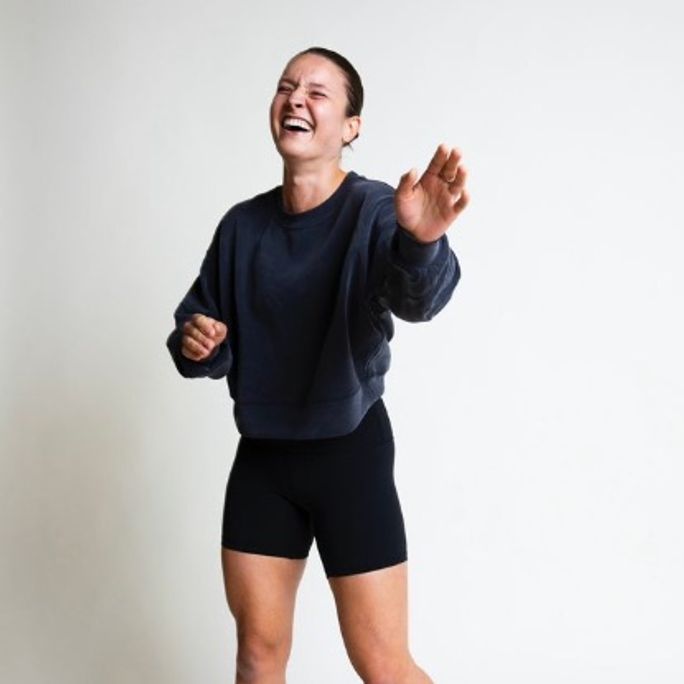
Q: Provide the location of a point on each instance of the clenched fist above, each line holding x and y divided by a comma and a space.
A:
201, 336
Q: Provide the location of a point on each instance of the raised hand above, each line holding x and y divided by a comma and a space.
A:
201, 336
428, 206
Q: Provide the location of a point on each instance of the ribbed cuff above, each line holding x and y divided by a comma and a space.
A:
413, 251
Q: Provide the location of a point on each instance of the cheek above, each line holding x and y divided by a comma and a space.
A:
276, 102
329, 120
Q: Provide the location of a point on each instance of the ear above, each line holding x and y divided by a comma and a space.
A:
352, 126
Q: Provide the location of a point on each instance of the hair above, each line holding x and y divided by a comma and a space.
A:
353, 83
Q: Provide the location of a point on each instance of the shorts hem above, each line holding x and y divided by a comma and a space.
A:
372, 567
246, 548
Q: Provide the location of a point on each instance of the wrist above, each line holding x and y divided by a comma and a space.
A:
413, 236
414, 251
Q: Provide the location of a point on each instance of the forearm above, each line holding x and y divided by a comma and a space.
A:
416, 279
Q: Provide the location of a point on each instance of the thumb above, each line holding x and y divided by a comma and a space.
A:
407, 181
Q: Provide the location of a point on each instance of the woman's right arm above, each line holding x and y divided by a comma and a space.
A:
199, 344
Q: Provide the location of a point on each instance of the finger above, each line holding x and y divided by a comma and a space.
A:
438, 159
450, 167
220, 331
193, 356
191, 330
407, 181
462, 203
459, 180
204, 323
193, 349
201, 341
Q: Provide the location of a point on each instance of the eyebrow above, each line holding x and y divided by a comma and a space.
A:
315, 85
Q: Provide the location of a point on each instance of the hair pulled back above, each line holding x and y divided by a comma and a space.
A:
353, 83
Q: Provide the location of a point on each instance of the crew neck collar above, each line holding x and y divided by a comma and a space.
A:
315, 214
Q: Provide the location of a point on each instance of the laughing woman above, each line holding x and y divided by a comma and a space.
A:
293, 304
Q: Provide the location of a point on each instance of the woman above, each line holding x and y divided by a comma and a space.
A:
294, 304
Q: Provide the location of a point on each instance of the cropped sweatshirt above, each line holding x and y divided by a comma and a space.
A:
308, 300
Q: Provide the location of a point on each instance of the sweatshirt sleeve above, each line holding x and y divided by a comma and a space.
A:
203, 297
412, 279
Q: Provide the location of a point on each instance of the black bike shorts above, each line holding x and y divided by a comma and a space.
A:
283, 493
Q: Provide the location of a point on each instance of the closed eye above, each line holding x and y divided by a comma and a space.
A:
284, 88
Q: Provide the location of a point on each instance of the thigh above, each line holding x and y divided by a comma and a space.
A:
372, 611
261, 592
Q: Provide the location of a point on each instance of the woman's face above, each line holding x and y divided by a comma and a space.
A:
312, 89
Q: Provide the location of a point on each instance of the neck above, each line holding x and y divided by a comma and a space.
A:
305, 189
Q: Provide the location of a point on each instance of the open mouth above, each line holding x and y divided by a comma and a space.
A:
295, 125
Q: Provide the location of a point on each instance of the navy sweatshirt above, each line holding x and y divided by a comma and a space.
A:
308, 300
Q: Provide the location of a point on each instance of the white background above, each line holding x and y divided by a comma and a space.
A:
538, 417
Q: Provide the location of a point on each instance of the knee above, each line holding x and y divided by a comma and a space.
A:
260, 655
386, 669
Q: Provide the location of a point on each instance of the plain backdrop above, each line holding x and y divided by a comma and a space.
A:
537, 418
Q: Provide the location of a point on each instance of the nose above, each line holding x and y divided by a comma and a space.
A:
296, 96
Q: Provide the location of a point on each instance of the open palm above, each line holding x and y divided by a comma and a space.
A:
428, 207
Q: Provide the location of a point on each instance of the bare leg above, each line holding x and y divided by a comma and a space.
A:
261, 592
372, 609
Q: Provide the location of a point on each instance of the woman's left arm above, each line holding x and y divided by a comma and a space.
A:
415, 271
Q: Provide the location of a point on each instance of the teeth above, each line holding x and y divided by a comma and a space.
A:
293, 121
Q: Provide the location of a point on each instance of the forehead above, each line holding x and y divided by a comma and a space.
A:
313, 69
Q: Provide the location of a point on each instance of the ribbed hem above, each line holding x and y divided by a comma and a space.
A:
312, 421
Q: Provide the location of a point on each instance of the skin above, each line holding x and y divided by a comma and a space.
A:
372, 607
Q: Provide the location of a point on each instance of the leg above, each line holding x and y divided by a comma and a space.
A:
372, 609
265, 541
359, 529
261, 594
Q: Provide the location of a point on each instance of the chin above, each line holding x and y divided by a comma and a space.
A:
292, 151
